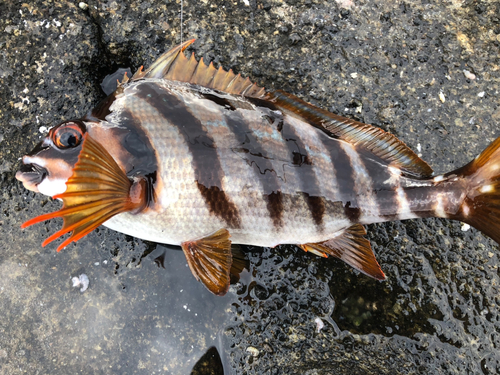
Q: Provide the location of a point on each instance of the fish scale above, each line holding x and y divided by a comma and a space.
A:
189, 155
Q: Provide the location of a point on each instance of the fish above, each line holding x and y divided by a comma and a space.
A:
186, 154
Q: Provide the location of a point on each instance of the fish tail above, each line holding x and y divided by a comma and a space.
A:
481, 204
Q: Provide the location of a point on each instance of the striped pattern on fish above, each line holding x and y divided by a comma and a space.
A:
190, 155
268, 177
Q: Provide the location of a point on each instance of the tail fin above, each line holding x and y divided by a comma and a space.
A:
481, 207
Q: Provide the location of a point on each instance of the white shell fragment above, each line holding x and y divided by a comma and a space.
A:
82, 280
469, 75
442, 97
253, 351
346, 4
319, 324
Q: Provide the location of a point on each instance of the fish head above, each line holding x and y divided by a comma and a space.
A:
47, 168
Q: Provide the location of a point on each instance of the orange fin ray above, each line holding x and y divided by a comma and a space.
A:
65, 211
175, 66
351, 247
81, 226
97, 191
210, 260
163, 63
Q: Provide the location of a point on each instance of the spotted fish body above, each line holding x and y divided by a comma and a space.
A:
188, 155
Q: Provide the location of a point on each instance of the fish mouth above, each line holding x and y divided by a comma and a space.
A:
31, 175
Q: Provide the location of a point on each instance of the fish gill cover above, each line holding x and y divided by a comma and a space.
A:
428, 73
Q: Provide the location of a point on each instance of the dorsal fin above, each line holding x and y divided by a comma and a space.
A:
382, 144
174, 65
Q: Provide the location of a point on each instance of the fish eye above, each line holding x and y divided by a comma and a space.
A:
67, 135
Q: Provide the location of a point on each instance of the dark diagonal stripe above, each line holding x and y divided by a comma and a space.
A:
317, 206
206, 164
304, 169
144, 160
137, 143
275, 208
345, 178
219, 205
250, 148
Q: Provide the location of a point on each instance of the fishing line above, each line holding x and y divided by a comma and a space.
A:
182, 10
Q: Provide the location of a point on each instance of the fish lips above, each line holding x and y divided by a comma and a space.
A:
31, 175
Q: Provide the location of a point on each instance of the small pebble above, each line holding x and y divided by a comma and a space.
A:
469, 75
82, 280
465, 227
319, 324
346, 4
442, 97
481, 94
83, 6
253, 351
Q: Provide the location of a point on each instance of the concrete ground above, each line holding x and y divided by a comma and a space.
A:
428, 72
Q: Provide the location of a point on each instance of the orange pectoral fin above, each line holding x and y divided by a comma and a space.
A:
351, 247
97, 191
210, 260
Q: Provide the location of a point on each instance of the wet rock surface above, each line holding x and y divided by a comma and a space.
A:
428, 73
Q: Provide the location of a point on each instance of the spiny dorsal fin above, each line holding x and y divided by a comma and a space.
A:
161, 66
353, 248
382, 144
174, 65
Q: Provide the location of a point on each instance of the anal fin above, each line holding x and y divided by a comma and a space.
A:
353, 248
314, 248
210, 260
